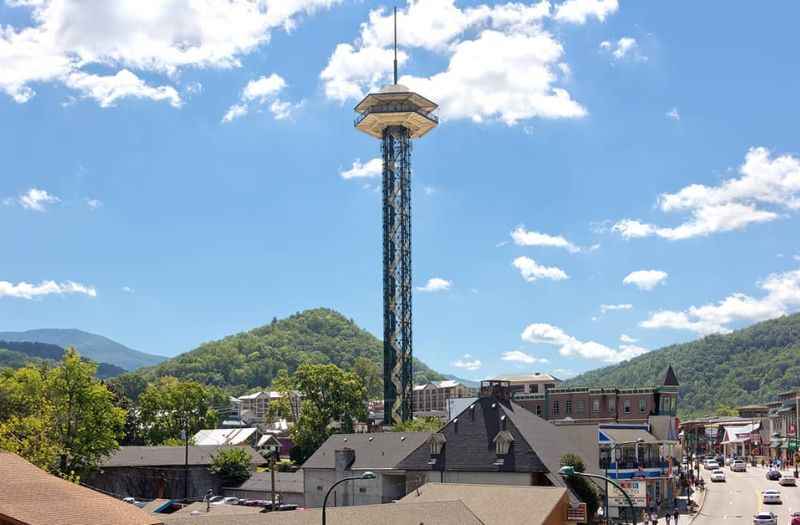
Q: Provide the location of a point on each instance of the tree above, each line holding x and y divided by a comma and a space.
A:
419, 424
61, 419
329, 394
170, 407
370, 374
86, 422
582, 487
232, 465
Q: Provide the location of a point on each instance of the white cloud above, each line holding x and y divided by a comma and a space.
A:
429, 190
436, 284
645, 279
107, 90
564, 373
66, 37
36, 199
467, 363
627, 339
540, 333
128, 289
611, 307
782, 296
263, 91
94, 203
368, 170
796, 257
673, 114
518, 356
502, 65
625, 47
23, 290
532, 271
767, 185
578, 11
523, 237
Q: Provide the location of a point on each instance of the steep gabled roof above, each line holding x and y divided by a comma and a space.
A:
669, 378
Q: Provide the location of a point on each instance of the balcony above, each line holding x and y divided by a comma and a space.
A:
631, 464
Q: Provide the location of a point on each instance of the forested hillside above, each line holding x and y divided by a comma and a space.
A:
252, 359
717, 372
19, 354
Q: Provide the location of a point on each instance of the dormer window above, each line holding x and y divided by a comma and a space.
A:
437, 443
502, 442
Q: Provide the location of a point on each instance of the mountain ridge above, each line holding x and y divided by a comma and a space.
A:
716, 372
96, 347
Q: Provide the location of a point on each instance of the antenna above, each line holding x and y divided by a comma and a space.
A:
395, 45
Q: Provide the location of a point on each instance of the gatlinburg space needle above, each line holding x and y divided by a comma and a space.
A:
395, 115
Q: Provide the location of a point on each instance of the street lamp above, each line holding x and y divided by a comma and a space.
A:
273, 452
568, 471
366, 475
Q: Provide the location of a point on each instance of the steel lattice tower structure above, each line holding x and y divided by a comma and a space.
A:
395, 115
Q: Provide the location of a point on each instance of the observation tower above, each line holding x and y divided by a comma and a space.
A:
395, 115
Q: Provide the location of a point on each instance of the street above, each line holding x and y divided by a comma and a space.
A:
739, 498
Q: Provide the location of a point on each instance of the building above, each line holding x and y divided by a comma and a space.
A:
254, 408
497, 441
345, 455
535, 383
501, 505
784, 427
655, 406
161, 472
434, 396
288, 485
31, 496
227, 436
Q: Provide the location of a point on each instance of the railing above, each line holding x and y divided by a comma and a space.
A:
395, 108
632, 464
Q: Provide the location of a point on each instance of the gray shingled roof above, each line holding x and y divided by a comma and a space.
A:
382, 450
170, 456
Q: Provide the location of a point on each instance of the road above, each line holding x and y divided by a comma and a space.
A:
737, 499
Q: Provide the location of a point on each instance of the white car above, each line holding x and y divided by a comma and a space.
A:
718, 475
230, 500
712, 465
738, 466
765, 518
216, 500
771, 496
788, 481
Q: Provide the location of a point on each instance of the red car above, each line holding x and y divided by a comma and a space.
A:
794, 518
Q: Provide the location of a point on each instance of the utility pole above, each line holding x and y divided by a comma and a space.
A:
186, 461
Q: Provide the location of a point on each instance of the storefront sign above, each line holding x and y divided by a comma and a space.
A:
577, 513
636, 490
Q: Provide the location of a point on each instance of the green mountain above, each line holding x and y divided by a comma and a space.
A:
748, 366
252, 359
95, 347
20, 354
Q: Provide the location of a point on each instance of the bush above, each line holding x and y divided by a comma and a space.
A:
232, 465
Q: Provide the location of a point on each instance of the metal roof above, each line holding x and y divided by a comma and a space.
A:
170, 456
381, 450
223, 436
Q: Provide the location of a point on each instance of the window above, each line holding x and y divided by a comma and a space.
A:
502, 442
556, 410
642, 405
626, 406
580, 406
534, 389
568, 407
362, 490
612, 405
539, 410
549, 385
595, 405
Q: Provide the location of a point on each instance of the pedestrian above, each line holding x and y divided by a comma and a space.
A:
654, 518
675, 515
668, 517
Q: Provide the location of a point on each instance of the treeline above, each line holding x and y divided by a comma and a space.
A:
719, 372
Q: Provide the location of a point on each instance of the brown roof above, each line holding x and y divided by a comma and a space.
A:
31, 496
171, 456
497, 504
421, 513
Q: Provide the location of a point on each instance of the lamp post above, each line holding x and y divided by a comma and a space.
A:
274, 452
616, 464
365, 475
185, 436
569, 471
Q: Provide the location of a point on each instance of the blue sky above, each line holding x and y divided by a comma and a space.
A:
174, 174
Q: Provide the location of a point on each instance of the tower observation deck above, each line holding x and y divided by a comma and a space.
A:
395, 115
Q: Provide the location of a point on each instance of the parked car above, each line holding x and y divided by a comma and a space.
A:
765, 518
718, 475
794, 518
771, 496
216, 500
712, 465
738, 466
773, 475
230, 500
788, 481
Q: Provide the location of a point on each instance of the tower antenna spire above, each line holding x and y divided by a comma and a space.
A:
395, 45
